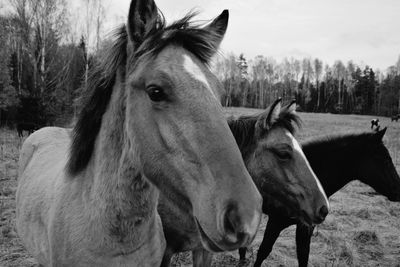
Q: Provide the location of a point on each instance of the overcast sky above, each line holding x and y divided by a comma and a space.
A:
366, 31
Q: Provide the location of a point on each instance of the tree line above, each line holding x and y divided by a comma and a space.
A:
47, 49
317, 87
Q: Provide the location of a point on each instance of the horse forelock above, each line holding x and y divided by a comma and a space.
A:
185, 32
288, 120
243, 128
96, 96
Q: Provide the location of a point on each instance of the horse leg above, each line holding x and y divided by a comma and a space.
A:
274, 227
166, 260
242, 253
303, 240
201, 258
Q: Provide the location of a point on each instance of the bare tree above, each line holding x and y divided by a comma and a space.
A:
318, 72
8, 94
327, 77
38, 20
308, 74
100, 16
94, 16
265, 72
397, 67
296, 70
22, 37
349, 82
259, 75
339, 71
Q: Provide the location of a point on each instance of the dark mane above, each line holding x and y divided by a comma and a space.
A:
361, 140
243, 128
94, 102
95, 98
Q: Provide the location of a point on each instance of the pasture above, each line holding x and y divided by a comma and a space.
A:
362, 229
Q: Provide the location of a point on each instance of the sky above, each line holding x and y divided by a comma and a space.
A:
365, 31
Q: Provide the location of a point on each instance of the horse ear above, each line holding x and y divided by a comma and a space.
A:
142, 18
381, 133
273, 115
292, 106
218, 28
268, 117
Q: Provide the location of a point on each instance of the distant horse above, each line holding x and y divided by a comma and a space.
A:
336, 162
395, 117
26, 126
277, 166
151, 122
374, 123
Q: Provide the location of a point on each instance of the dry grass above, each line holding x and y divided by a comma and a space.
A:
362, 229
12, 253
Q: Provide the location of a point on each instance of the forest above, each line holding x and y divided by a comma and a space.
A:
47, 51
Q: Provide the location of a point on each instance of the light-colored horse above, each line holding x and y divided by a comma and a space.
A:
151, 120
278, 167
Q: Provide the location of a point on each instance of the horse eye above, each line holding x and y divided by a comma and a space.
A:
156, 94
283, 155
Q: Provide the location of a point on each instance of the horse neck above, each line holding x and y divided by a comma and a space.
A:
335, 168
122, 192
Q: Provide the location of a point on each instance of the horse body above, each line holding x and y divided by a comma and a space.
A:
151, 122
336, 161
277, 167
375, 123
60, 217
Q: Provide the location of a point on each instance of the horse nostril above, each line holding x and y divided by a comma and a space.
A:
231, 220
233, 227
323, 211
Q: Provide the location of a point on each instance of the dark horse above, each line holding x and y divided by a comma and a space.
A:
278, 167
375, 123
395, 117
336, 161
26, 126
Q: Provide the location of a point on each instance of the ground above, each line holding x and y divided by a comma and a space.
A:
362, 229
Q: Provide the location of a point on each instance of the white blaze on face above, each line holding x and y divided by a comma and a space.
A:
297, 148
194, 70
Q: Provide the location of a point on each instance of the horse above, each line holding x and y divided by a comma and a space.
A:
375, 123
26, 126
278, 167
395, 117
337, 160
151, 122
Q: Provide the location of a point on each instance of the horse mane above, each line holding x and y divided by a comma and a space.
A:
94, 101
95, 98
243, 128
361, 140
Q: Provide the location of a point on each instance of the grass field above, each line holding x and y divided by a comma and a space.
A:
362, 229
